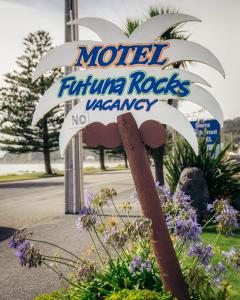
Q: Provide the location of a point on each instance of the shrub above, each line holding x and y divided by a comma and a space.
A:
138, 295
52, 296
221, 173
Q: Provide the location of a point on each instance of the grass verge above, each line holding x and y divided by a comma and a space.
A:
226, 243
26, 176
38, 175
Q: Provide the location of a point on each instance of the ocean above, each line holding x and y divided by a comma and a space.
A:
6, 169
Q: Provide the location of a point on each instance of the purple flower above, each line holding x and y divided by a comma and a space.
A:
101, 198
29, 255
18, 238
134, 197
210, 207
12, 243
227, 219
116, 237
26, 253
134, 264
88, 197
164, 192
203, 253
140, 228
84, 212
192, 214
180, 216
226, 216
87, 218
181, 199
232, 252
217, 273
187, 230
233, 257
140, 265
21, 251
79, 224
86, 270
146, 266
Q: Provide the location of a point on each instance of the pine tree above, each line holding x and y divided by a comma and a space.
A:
100, 150
18, 99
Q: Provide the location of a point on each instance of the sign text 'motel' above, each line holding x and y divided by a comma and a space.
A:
122, 55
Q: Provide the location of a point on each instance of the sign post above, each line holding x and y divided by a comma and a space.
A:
123, 84
150, 204
73, 171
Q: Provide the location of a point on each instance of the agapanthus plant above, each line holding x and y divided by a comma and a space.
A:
138, 264
123, 257
87, 218
233, 258
224, 215
180, 216
202, 253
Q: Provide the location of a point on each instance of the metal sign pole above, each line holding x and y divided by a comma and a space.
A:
73, 179
81, 178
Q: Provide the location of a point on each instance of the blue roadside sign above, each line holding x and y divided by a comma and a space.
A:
209, 127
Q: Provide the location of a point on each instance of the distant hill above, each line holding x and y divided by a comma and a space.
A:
231, 130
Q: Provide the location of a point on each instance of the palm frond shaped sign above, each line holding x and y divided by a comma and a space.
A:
123, 74
132, 74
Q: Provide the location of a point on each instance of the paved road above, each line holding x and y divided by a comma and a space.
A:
39, 205
29, 202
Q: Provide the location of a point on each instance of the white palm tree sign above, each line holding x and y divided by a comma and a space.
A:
141, 89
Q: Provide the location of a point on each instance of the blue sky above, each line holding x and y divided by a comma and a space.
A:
219, 32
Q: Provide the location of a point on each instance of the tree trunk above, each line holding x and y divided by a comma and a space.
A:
101, 158
125, 160
46, 150
168, 264
47, 162
157, 155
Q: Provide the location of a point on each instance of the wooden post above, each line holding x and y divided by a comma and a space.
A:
150, 203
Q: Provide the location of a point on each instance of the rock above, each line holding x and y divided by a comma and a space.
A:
236, 203
193, 184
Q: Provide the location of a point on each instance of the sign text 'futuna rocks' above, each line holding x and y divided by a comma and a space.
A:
137, 83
